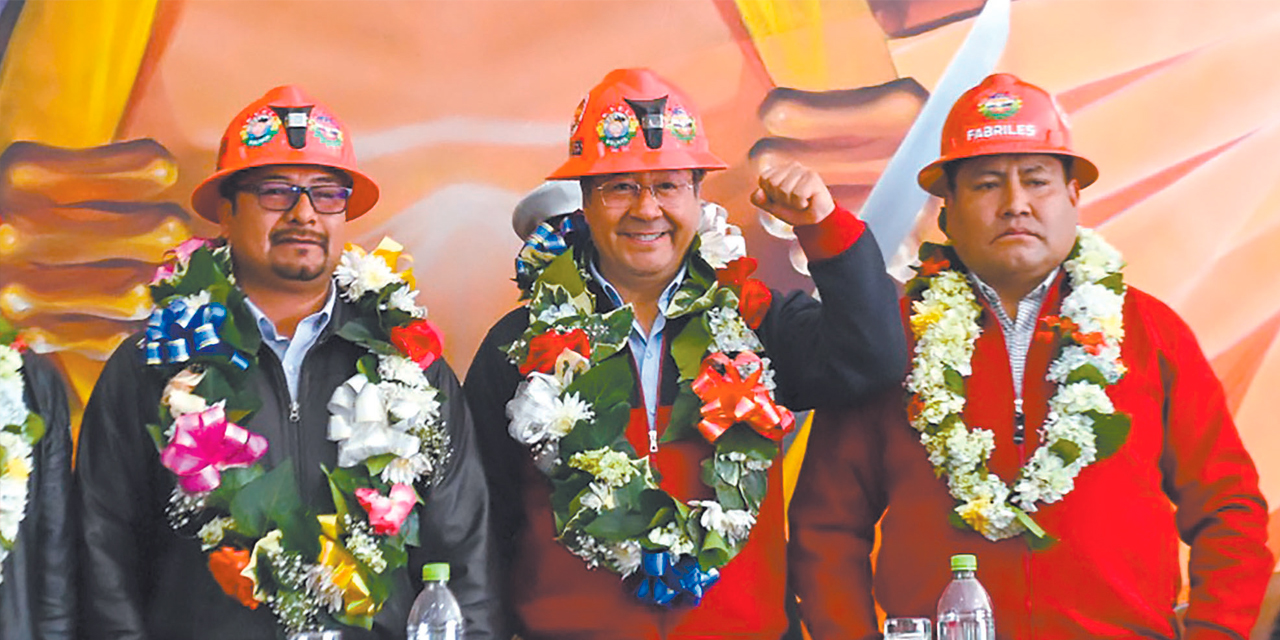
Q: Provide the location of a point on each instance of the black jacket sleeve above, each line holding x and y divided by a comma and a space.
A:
491, 383
844, 348
37, 598
114, 495
455, 518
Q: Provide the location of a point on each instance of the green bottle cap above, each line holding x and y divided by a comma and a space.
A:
435, 572
964, 562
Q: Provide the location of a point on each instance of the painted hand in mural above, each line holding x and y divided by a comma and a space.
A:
80, 235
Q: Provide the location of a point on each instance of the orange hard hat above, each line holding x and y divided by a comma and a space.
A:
634, 120
285, 126
1004, 115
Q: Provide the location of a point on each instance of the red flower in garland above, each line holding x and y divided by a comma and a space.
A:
736, 273
546, 348
419, 341
226, 564
753, 296
933, 265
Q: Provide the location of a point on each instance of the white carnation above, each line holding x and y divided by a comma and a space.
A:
360, 274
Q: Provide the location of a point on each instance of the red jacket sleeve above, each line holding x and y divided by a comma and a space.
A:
827, 239
839, 498
1213, 482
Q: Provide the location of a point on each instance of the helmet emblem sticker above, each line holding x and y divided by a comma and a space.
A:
260, 128
617, 127
1000, 106
682, 125
577, 117
326, 130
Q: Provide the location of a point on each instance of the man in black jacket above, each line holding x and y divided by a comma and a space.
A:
174, 545
37, 599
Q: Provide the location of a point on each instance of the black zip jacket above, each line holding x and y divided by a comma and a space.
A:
37, 598
140, 579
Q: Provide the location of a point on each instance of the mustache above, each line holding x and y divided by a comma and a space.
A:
299, 235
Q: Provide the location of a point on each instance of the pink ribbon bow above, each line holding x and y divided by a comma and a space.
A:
205, 443
387, 513
730, 399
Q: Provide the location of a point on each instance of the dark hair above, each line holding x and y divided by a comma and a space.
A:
953, 167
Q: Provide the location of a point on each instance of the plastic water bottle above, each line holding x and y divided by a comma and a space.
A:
964, 610
435, 614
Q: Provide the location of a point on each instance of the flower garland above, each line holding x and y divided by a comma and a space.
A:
1081, 427
20, 430
264, 545
573, 408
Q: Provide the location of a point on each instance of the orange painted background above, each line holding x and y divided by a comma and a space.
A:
110, 113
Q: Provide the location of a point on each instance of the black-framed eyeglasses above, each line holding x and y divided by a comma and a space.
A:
282, 196
625, 193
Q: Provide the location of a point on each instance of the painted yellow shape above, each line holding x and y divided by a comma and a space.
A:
19, 303
818, 45
70, 68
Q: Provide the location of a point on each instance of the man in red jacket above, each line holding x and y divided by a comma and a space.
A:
1060, 425
629, 413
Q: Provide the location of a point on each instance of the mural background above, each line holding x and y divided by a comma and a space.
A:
111, 111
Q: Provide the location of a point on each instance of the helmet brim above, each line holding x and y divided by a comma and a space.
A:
933, 178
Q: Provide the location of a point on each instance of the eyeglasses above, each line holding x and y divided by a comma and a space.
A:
620, 194
282, 196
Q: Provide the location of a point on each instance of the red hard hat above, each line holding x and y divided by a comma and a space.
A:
1004, 115
285, 126
634, 120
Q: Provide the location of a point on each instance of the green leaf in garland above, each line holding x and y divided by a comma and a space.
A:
715, 552
157, 435
728, 471
365, 331
233, 480
689, 348
729, 496
691, 297
621, 524
615, 329
606, 431
953, 381
567, 487
958, 522
375, 464
240, 330
563, 270
1110, 431
368, 365
741, 438
1065, 449
359, 622
686, 412
754, 486
1114, 282
32, 429
343, 481
1087, 373
272, 499
605, 384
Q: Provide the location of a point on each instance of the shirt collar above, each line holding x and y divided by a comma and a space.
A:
268, 328
616, 298
1035, 295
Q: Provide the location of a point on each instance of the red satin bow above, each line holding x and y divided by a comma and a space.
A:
754, 297
204, 444
730, 399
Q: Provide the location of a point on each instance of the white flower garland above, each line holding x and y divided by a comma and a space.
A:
945, 323
15, 451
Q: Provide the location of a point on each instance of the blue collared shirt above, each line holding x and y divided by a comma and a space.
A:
646, 350
291, 351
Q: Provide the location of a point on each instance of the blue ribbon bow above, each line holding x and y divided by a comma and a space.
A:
181, 331
664, 583
547, 241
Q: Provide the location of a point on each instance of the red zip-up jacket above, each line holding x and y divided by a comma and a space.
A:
1114, 573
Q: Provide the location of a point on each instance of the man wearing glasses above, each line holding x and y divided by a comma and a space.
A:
630, 413
165, 560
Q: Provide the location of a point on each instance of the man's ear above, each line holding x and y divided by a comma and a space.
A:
226, 213
1073, 192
